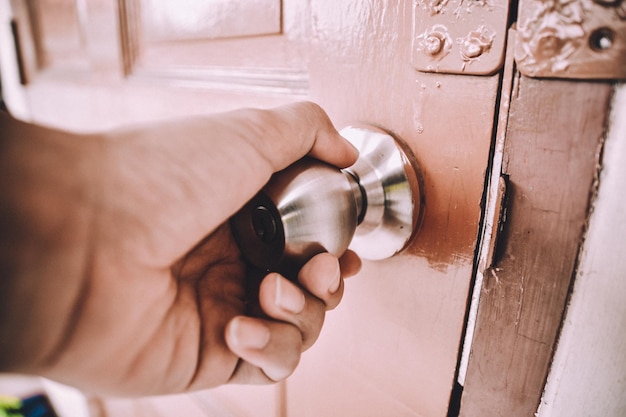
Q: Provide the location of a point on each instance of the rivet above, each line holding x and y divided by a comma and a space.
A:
471, 48
476, 43
433, 44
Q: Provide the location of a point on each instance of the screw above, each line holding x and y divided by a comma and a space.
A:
476, 43
471, 48
433, 44
601, 39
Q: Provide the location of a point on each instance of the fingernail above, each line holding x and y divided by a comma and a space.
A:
336, 282
249, 333
288, 297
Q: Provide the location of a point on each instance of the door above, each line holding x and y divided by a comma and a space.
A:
392, 346
429, 71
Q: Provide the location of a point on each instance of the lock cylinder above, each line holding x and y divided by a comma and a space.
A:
373, 207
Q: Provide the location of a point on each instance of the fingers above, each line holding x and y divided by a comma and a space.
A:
304, 307
232, 155
350, 264
296, 130
282, 300
270, 350
321, 276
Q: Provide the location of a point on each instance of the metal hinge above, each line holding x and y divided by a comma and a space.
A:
583, 39
459, 36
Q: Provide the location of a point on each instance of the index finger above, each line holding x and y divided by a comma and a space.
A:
296, 130
250, 145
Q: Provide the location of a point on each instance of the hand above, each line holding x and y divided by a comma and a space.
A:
123, 274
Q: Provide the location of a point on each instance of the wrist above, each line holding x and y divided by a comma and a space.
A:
47, 185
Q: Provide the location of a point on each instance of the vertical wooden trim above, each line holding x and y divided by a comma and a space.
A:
592, 342
19, 53
34, 20
128, 12
82, 21
551, 152
281, 399
282, 17
495, 190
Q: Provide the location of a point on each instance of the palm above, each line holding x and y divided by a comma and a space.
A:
146, 330
214, 273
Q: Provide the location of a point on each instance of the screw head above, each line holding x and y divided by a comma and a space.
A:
471, 48
433, 44
601, 39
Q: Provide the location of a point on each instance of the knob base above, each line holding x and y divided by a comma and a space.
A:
392, 186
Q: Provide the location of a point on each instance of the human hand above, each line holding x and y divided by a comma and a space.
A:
158, 300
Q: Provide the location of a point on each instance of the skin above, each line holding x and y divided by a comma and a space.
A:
118, 270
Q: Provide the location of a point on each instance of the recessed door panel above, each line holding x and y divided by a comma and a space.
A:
208, 19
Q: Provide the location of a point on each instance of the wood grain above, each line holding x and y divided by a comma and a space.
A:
554, 134
593, 339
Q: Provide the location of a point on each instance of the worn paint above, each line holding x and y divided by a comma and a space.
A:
593, 339
550, 155
393, 343
459, 36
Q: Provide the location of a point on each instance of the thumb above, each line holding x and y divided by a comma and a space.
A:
306, 130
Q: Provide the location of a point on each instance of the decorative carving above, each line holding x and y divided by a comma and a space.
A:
572, 39
466, 6
552, 34
433, 7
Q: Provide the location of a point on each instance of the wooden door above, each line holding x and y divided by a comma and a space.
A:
392, 346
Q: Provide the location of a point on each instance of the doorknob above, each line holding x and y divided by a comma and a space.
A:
373, 207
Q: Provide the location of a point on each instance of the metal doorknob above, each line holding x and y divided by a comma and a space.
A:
373, 207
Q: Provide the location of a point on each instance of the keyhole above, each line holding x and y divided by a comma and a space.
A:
264, 224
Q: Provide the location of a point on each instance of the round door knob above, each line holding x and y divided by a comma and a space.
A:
373, 207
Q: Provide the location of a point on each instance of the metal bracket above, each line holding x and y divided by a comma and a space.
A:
582, 39
459, 36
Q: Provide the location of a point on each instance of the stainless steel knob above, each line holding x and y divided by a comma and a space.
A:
373, 207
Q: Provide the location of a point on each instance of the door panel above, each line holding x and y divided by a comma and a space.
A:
208, 19
391, 347
251, 45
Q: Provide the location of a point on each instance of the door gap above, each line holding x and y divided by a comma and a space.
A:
492, 177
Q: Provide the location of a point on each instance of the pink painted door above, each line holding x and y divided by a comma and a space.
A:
392, 347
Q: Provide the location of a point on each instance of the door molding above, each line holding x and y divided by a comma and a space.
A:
551, 156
